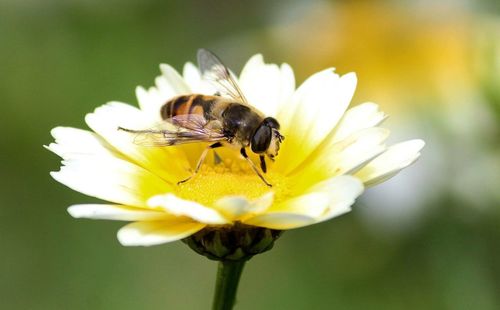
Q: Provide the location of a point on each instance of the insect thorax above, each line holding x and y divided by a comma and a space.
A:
240, 121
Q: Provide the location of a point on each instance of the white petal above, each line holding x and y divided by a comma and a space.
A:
316, 107
232, 207
181, 207
105, 121
390, 162
321, 202
262, 203
364, 148
324, 198
343, 157
312, 204
115, 212
112, 179
193, 78
156, 232
150, 102
363, 116
168, 85
266, 86
77, 143
239, 208
191, 75
280, 220
174, 83
142, 97
343, 192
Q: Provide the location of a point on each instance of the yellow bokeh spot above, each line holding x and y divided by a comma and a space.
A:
231, 179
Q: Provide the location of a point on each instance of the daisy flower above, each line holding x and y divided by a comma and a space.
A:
330, 154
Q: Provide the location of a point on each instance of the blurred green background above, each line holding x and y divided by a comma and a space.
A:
427, 239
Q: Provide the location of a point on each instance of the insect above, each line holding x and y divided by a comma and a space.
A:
223, 119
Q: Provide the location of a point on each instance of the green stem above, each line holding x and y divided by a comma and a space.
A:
228, 277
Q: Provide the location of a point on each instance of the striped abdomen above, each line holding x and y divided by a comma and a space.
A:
188, 104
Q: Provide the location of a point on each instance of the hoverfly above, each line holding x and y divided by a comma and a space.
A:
223, 119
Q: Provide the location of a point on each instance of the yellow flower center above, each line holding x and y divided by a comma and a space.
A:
231, 179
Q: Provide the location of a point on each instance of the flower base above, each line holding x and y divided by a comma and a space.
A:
232, 242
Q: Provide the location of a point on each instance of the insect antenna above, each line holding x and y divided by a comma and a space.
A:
140, 131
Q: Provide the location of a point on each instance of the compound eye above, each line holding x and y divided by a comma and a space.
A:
261, 139
272, 122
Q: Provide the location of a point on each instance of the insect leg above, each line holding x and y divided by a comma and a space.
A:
254, 168
201, 160
217, 158
263, 163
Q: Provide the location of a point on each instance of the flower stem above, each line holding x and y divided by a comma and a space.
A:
228, 277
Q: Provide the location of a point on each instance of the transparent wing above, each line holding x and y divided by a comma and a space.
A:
194, 122
190, 128
152, 138
196, 126
214, 71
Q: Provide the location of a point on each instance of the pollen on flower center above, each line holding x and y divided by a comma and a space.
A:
215, 182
